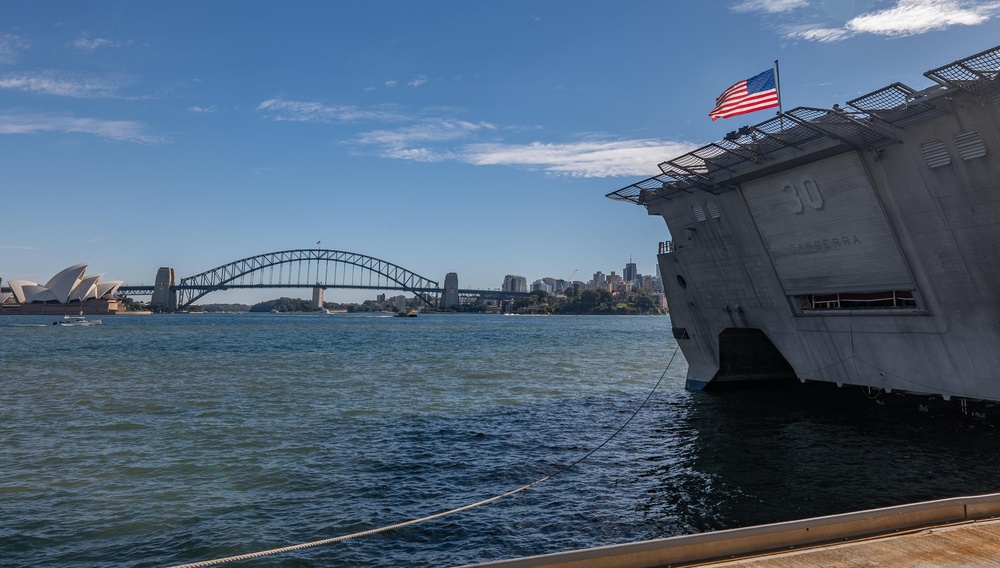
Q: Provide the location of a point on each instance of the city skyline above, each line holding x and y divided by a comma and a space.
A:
135, 136
357, 296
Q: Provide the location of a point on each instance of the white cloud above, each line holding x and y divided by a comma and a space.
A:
434, 141
392, 84
905, 18
64, 85
88, 44
418, 154
581, 159
420, 80
429, 131
770, 6
910, 17
203, 110
308, 111
822, 35
118, 130
443, 139
11, 47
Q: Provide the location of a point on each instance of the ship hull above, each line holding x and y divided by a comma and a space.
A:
868, 264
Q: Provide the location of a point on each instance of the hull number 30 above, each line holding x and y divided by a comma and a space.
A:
802, 194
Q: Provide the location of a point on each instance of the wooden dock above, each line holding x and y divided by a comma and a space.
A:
963, 531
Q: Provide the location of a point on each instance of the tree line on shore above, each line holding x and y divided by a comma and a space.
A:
593, 302
575, 302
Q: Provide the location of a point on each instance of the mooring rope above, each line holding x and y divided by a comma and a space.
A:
370, 532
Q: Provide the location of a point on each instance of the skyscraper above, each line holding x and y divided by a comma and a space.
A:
630, 272
515, 283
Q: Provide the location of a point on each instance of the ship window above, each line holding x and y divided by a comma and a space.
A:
857, 301
935, 154
699, 213
970, 145
713, 209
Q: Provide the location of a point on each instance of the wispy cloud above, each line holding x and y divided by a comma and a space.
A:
11, 47
88, 44
203, 110
904, 18
436, 130
822, 35
770, 6
420, 80
439, 139
580, 159
65, 85
910, 17
307, 111
118, 130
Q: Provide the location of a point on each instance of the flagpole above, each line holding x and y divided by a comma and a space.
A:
777, 85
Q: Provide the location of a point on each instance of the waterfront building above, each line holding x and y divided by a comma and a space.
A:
69, 287
541, 285
515, 283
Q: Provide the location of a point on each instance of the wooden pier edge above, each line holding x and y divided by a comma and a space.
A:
762, 539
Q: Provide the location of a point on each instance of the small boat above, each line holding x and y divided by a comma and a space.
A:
407, 314
77, 320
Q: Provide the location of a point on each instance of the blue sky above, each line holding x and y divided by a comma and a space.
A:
474, 137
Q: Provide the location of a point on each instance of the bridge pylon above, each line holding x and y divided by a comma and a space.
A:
164, 295
317, 302
450, 297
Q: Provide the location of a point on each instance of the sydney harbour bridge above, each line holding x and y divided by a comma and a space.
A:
318, 269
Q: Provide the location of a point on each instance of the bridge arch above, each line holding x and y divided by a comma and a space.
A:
284, 269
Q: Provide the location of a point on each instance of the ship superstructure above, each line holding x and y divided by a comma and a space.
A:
859, 246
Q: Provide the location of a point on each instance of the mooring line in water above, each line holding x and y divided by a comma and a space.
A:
370, 532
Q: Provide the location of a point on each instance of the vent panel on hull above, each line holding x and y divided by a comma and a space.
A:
935, 154
970, 145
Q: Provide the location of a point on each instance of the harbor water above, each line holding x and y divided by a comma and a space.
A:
167, 439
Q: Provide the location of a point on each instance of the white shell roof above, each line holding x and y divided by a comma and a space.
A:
62, 284
87, 288
38, 293
17, 288
68, 285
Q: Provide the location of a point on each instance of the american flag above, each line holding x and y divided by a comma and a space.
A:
756, 93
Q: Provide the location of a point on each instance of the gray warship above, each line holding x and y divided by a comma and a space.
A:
856, 245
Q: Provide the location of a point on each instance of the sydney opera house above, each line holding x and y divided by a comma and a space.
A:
69, 290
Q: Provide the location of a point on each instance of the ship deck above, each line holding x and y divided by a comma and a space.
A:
963, 531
